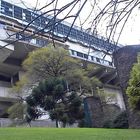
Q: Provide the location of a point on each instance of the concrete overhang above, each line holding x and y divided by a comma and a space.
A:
8, 70
21, 49
9, 99
106, 75
6, 51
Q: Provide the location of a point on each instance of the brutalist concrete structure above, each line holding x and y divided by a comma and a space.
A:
93, 112
124, 59
16, 42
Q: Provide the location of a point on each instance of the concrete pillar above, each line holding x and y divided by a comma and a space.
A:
124, 59
93, 112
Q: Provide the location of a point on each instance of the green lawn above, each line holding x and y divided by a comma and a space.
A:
67, 134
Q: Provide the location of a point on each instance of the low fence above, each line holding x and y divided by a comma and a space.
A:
6, 122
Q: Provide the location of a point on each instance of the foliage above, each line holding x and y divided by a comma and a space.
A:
108, 124
133, 89
49, 62
79, 80
111, 111
16, 111
19, 85
51, 95
106, 97
121, 121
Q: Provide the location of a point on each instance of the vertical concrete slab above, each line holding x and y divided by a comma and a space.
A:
6, 51
93, 112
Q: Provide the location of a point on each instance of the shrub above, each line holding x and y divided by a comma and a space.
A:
108, 124
121, 121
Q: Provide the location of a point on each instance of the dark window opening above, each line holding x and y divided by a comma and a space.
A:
43, 22
86, 56
7, 8
41, 43
27, 15
5, 79
98, 59
36, 19
79, 54
110, 63
72, 52
92, 58
17, 12
15, 78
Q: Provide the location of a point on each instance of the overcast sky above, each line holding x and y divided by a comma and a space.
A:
131, 32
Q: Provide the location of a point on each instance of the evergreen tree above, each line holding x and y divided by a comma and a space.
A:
133, 90
52, 96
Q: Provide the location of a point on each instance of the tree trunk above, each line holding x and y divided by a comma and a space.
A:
56, 123
64, 125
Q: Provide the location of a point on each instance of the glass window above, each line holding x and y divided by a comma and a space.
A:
72, 52
43, 22
79, 54
66, 30
92, 58
98, 59
73, 33
7, 8
41, 42
110, 63
27, 15
86, 38
80, 36
86, 56
23, 37
17, 12
60, 29
36, 20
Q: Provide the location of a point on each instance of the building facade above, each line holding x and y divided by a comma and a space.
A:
22, 31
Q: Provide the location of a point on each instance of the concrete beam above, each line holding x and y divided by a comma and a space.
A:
6, 51
98, 72
8, 100
116, 81
13, 61
109, 77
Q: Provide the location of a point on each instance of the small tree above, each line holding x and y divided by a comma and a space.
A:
52, 96
16, 111
133, 89
56, 62
50, 63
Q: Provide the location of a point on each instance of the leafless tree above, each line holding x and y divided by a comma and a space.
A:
107, 18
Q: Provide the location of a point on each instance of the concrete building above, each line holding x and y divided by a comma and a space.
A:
16, 41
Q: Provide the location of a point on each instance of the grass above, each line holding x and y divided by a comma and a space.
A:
68, 134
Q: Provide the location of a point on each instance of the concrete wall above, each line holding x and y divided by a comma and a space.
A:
124, 60
93, 112
117, 96
5, 90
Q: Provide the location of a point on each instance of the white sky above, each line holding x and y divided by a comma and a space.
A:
131, 32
